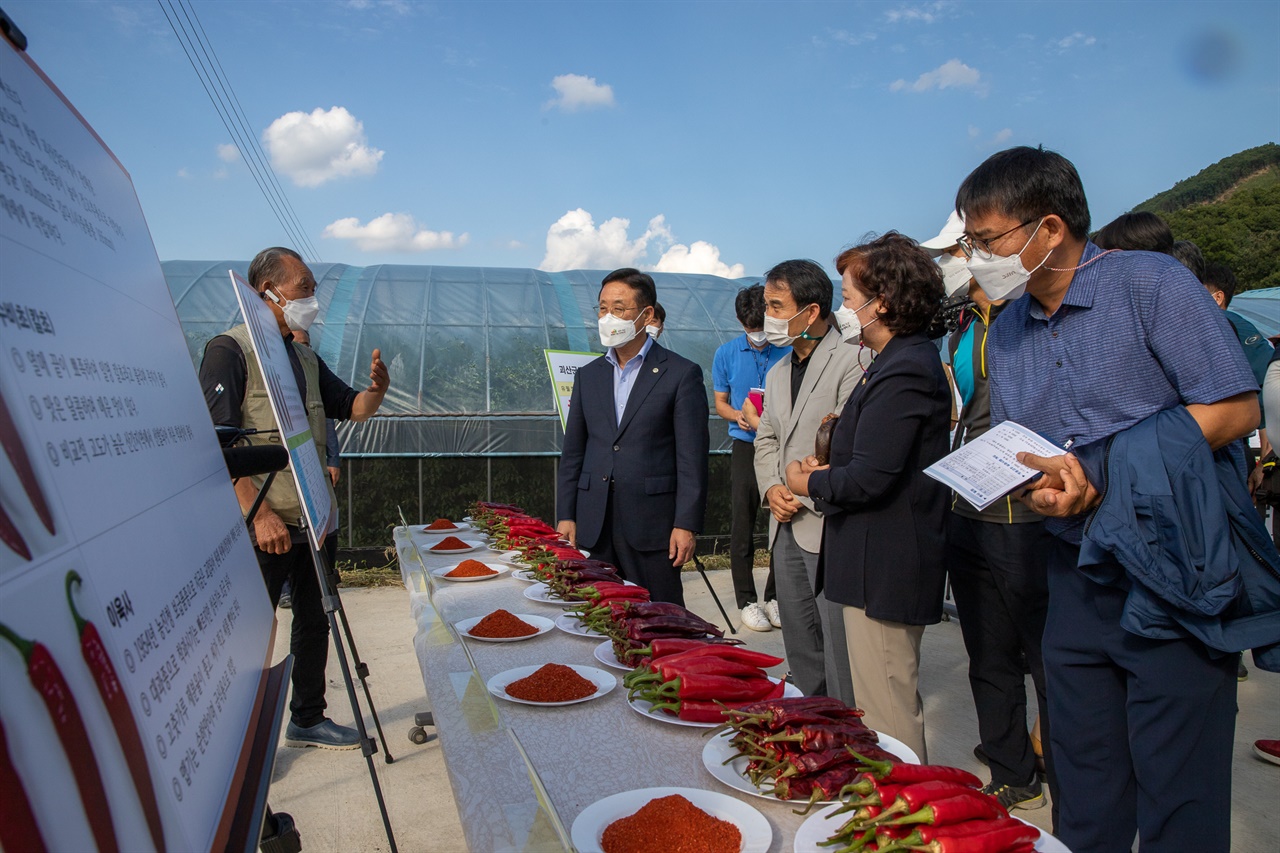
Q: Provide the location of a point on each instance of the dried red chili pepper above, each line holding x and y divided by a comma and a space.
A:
18, 827
48, 681
113, 697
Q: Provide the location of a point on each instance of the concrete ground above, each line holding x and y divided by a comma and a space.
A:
330, 795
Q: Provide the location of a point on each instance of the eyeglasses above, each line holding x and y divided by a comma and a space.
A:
982, 248
616, 310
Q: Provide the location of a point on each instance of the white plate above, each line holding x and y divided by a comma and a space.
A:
569, 623
540, 592
459, 527
604, 654
526, 575
589, 827
644, 709
442, 574
821, 825
472, 545
541, 623
718, 750
604, 682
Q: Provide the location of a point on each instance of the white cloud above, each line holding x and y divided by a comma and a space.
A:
393, 232
183, 173
228, 153
854, 39
997, 139
574, 241
924, 13
316, 147
973, 132
1002, 136
952, 74
1074, 39
400, 7
700, 257
575, 92
514, 244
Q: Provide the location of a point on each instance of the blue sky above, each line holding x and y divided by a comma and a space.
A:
686, 136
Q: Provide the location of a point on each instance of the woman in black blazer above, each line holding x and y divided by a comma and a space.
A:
882, 547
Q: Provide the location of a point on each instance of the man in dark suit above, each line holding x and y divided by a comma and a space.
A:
633, 471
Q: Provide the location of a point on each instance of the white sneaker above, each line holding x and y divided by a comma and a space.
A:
755, 618
771, 610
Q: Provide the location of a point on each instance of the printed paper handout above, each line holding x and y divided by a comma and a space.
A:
987, 468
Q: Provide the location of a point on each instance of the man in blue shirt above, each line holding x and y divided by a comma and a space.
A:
1101, 341
739, 366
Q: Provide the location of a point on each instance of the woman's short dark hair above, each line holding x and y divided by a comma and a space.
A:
1140, 231
641, 283
1024, 184
809, 284
903, 275
749, 306
268, 265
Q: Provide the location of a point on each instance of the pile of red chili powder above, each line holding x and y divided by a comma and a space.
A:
449, 543
441, 524
551, 683
502, 623
470, 569
671, 824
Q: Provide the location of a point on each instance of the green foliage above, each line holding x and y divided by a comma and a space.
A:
1214, 181
1231, 210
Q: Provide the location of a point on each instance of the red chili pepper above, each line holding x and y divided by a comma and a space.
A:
774, 713
122, 719
11, 441
969, 827
18, 828
972, 806
10, 536
909, 773
700, 685
916, 796
47, 679
729, 653
998, 837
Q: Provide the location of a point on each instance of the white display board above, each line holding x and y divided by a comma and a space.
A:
290, 413
563, 366
110, 469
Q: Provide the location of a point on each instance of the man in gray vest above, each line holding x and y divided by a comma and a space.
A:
237, 397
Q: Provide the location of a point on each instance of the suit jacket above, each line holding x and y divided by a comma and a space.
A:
788, 433
882, 548
656, 456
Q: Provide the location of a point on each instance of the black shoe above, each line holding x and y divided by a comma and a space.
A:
1030, 797
286, 601
979, 754
1242, 671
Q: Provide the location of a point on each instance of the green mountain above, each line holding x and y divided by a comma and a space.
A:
1231, 210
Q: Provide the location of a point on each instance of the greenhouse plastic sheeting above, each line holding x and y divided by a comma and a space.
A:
464, 345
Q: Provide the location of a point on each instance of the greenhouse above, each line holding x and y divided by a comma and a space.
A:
470, 413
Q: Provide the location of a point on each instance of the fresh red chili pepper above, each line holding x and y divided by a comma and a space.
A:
122, 719
726, 688
998, 837
908, 773
916, 796
10, 536
18, 828
48, 681
11, 441
971, 806
730, 653
969, 827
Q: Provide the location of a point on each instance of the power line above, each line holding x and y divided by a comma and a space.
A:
238, 132
255, 149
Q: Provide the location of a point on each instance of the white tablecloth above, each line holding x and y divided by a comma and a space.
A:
578, 753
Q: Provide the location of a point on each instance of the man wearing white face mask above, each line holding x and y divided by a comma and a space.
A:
995, 559
236, 395
1104, 348
632, 483
739, 367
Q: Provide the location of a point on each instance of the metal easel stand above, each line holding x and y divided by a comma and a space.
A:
368, 746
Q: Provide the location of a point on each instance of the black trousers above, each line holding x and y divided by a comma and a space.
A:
651, 569
999, 575
744, 501
309, 638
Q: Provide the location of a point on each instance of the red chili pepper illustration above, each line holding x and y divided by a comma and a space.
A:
18, 829
12, 443
10, 536
113, 697
47, 679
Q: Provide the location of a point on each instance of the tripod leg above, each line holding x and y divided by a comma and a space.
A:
698, 564
362, 672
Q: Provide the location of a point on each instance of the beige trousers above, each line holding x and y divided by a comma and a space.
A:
884, 659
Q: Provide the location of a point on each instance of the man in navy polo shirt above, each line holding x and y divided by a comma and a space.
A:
1100, 342
739, 366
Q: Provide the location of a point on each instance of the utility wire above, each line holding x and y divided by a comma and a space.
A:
255, 149
187, 41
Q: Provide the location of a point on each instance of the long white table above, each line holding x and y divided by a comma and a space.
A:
522, 774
